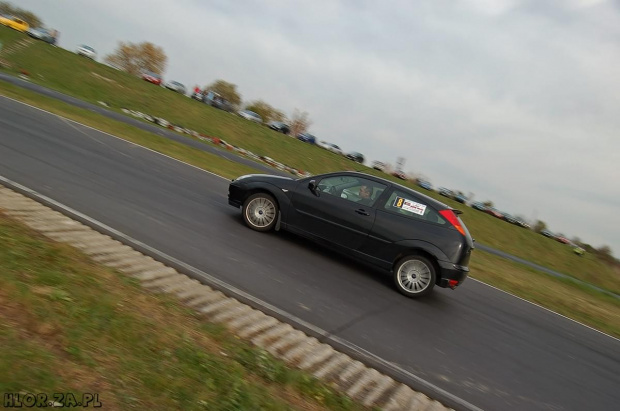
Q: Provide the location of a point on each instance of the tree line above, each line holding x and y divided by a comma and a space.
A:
135, 58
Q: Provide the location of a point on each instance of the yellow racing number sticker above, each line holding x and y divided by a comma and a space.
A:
409, 205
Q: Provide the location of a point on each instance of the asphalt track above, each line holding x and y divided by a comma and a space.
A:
486, 347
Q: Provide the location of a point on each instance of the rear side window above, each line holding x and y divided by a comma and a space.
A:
405, 204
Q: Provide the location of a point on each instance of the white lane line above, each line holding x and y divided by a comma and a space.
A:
64, 120
544, 308
112, 135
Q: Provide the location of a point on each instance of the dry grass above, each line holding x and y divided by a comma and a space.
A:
69, 325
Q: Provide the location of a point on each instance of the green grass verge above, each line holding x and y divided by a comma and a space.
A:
564, 296
69, 325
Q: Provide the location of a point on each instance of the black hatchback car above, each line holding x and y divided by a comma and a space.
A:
421, 241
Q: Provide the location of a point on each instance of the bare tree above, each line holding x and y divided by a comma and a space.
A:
137, 58
299, 122
539, 226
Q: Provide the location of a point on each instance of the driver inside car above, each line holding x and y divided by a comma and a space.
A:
365, 193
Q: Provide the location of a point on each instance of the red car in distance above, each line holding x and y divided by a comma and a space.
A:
152, 77
494, 213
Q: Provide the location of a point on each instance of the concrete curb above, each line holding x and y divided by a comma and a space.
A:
364, 384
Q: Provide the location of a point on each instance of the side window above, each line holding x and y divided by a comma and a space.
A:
354, 189
409, 206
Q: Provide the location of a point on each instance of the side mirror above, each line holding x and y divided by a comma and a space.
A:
313, 187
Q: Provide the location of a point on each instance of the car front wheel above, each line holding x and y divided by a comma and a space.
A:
260, 212
414, 276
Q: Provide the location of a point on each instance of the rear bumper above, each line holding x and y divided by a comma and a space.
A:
449, 271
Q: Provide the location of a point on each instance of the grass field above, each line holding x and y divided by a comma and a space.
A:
69, 325
157, 101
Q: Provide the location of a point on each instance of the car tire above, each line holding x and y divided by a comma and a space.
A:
414, 276
260, 212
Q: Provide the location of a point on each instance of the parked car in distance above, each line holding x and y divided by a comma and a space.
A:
560, 238
522, 223
216, 100
15, 23
378, 165
460, 197
250, 115
175, 86
355, 156
547, 233
87, 51
399, 174
495, 213
279, 126
152, 77
197, 94
43, 34
479, 206
306, 138
509, 218
420, 241
446, 192
330, 146
425, 184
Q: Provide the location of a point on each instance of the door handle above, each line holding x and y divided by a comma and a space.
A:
361, 211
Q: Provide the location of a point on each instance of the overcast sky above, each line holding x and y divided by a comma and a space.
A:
515, 101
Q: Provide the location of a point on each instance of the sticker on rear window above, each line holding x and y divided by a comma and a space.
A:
409, 205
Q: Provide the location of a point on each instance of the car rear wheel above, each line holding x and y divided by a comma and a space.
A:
414, 276
260, 212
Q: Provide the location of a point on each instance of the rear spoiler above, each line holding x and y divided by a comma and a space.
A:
457, 212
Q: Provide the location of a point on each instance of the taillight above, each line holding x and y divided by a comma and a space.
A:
453, 219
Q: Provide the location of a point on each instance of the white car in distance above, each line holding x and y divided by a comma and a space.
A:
250, 115
330, 146
87, 51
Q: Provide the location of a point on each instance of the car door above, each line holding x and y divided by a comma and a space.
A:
334, 212
403, 217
